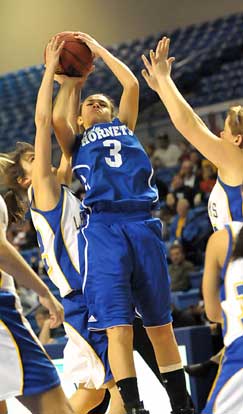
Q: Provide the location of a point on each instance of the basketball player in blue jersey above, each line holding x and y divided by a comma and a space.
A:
26, 371
56, 217
226, 152
223, 296
125, 263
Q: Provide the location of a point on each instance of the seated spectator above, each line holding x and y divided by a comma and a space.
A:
179, 269
189, 177
208, 177
167, 153
168, 209
46, 334
180, 190
183, 215
196, 160
185, 149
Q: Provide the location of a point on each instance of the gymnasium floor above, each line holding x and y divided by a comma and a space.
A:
151, 390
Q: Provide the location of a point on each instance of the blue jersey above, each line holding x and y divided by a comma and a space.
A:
117, 174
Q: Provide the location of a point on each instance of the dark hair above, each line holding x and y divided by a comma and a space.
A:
177, 245
112, 102
10, 170
16, 206
238, 247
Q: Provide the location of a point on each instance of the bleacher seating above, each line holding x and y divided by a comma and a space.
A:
196, 279
206, 54
183, 300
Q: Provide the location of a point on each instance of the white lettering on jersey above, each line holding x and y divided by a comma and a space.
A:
97, 133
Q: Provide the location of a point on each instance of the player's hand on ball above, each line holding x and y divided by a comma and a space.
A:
94, 46
53, 50
159, 65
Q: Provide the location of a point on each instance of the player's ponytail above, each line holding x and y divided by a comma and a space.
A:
16, 206
238, 248
10, 171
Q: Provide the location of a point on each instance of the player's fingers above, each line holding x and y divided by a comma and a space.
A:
171, 60
145, 75
152, 56
146, 63
60, 46
167, 47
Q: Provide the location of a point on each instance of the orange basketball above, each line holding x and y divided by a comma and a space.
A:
76, 58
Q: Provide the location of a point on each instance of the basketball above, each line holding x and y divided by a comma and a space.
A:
76, 58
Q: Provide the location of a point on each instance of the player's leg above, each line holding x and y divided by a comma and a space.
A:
108, 286
116, 404
53, 401
142, 344
26, 370
3, 407
85, 399
151, 291
85, 356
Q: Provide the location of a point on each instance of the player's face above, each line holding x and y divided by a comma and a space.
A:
96, 109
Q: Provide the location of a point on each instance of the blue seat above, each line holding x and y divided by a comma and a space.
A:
196, 279
183, 300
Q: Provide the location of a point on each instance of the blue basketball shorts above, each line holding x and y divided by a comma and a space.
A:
125, 268
25, 368
85, 355
226, 393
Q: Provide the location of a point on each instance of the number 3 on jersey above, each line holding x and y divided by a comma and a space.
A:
115, 159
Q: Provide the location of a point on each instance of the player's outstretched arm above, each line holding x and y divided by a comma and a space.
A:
128, 108
12, 263
47, 190
188, 123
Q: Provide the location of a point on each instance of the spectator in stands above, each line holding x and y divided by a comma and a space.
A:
189, 177
180, 190
167, 153
168, 209
208, 177
179, 269
196, 161
46, 334
185, 149
179, 222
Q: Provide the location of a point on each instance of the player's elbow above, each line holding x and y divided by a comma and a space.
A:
134, 84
